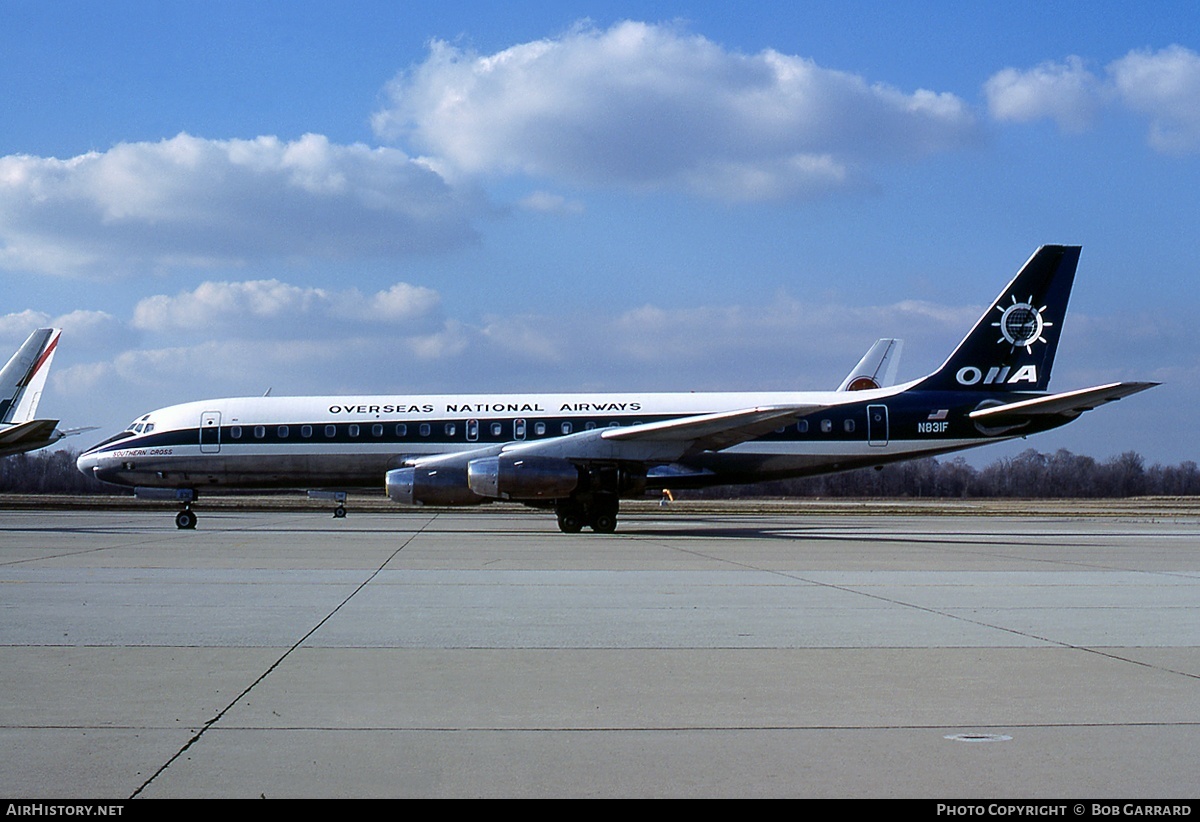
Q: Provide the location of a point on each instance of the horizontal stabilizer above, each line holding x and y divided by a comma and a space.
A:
1067, 404
29, 432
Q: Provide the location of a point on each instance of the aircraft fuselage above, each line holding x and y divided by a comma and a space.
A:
343, 441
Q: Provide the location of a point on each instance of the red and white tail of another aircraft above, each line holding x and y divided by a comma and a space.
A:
877, 368
21, 383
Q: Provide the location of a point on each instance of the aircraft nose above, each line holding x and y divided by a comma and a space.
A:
87, 462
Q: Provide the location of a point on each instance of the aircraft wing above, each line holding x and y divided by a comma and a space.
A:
32, 431
669, 440
1067, 404
655, 442
713, 432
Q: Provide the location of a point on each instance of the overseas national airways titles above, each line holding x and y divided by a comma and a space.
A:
503, 407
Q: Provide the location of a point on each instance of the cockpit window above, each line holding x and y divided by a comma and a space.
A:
141, 425
142, 418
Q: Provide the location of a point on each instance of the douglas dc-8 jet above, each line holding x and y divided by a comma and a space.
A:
578, 454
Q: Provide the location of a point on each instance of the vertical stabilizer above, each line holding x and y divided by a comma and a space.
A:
877, 368
1012, 346
24, 377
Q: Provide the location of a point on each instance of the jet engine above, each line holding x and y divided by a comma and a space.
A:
523, 478
431, 486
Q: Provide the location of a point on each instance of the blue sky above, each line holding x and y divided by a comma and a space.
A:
217, 198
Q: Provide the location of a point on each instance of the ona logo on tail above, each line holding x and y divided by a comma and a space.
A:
971, 375
1021, 325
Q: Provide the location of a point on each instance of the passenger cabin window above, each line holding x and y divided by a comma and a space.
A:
566, 428
826, 426
306, 430
848, 426
802, 426
401, 430
450, 429
282, 432
260, 431
235, 432
354, 430
376, 430
497, 429
425, 429
539, 429
519, 430
330, 430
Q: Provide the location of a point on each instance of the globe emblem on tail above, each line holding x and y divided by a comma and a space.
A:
1021, 324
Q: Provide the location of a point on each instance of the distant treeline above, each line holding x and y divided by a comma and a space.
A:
48, 472
1029, 474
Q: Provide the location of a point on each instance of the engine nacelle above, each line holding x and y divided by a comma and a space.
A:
517, 477
431, 486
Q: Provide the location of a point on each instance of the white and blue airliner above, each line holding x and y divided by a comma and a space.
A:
579, 454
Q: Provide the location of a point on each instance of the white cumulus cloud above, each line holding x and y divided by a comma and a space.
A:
648, 107
1064, 92
1165, 86
258, 307
1162, 85
192, 201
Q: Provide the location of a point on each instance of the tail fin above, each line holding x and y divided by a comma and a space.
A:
1012, 346
877, 368
22, 379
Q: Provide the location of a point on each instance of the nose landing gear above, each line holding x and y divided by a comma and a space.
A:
186, 519
337, 496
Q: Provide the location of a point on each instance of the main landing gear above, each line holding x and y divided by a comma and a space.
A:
598, 513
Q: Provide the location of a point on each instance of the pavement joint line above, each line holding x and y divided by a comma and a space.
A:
220, 714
